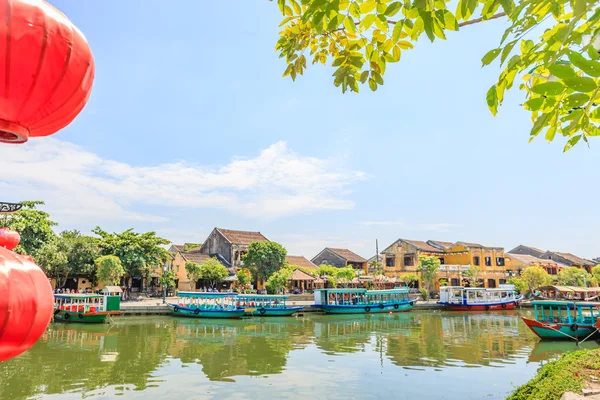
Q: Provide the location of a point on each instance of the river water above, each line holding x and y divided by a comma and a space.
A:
425, 354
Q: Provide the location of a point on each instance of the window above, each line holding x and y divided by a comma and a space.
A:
502, 281
488, 261
442, 260
500, 261
390, 261
409, 261
455, 282
476, 260
491, 283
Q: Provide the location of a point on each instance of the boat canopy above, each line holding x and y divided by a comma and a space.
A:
262, 296
207, 295
78, 296
343, 290
550, 303
389, 291
573, 289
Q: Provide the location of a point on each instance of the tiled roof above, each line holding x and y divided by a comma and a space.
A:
441, 244
574, 259
422, 245
300, 275
179, 247
348, 255
526, 258
468, 244
242, 237
300, 261
194, 249
195, 257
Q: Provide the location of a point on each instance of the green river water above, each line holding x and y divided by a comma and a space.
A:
424, 354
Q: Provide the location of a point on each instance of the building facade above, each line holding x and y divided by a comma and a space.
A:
569, 259
228, 246
340, 258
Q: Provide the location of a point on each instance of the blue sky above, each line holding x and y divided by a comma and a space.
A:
190, 125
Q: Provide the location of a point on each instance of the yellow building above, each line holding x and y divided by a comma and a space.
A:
402, 256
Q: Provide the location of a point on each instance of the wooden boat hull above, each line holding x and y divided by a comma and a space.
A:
179, 311
560, 331
271, 312
80, 318
511, 305
365, 309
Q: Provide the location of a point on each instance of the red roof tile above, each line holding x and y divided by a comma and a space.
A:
348, 255
300, 261
242, 237
423, 246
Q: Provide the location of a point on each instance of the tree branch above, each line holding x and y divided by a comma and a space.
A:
477, 20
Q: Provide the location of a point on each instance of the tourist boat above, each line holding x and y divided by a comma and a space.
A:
362, 301
568, 293
265, 305
81, 308
564, 320
459, 298
206, 305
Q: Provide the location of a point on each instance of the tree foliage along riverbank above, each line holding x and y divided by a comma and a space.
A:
567, 374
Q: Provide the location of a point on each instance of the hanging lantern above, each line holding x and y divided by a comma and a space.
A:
25, 306
47, 70
9, 239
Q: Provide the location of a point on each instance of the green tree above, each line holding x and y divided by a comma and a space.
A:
34, 226
596, 273
534, 277
109, 270
574, 276
167, 279
279, 280
519, 283
343, 276
82, 252
326, 270
194, 272
244, 278
213, 271
53, 258
410, 279
309, 271
138, 252
376, 267
360, 38
188, 246
474, 274
428, 267
264, 258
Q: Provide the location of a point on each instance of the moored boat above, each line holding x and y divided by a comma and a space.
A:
265, 305
362, 301
81, 308
459, 298
206, 305
564, 320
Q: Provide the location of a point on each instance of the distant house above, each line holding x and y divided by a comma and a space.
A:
528, 250
596, 260
300, 261
517, 262
340, 258
569, 259
403, 255
440, 245
228, 246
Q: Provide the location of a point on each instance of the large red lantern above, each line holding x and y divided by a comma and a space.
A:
26, 303
9, 239
46, 70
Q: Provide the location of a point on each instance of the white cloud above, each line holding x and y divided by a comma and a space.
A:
78, 184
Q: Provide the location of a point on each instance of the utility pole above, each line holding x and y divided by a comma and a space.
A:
376, 253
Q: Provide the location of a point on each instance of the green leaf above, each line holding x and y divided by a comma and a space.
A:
576, 100
548, 88
490, 56
592, 68
350, 25
506, 51
540, 122
572, 142
381, 23
372, 84
450, 21
562, 71
595, 115
396, 53
354, 10
393, 8
427, 24
593, 53
581, 84
492, 100
397, 32
550, 133
367, 21
405, 45
297, 8
507, 5
579, 7
364, 76
534, 104
368, 6
377, 77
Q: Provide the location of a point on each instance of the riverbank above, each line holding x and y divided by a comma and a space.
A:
577, 372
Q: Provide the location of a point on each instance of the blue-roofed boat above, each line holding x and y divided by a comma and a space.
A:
265, 305
206, 305
565, 320
363, 301
459, 298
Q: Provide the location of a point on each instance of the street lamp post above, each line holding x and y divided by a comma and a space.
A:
164, 285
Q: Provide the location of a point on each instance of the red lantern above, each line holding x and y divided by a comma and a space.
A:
9, 239
26, 303
46, 69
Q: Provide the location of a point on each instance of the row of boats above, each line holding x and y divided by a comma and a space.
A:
552, 320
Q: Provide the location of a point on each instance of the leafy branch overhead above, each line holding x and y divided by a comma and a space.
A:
560, 66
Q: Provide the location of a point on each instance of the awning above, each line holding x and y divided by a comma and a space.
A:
300, 275
231, 278
111, 289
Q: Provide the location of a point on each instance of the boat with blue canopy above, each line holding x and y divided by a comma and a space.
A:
363, 301
564, 320
266, 305
206, 305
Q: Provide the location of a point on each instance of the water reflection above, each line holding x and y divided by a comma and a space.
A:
135, 353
